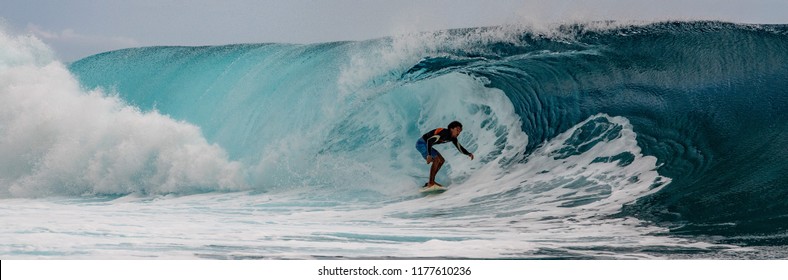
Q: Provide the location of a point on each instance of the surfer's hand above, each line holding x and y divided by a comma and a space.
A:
471, 155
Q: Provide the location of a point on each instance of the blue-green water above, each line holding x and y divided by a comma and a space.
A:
664, 140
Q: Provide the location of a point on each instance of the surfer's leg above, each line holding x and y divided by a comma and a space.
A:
440, 164
437, 163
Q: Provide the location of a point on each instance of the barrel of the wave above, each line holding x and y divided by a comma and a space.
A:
705, 98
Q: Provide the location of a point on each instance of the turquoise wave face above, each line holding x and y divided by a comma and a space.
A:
706, 99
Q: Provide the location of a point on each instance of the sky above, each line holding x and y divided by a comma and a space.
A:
79, 28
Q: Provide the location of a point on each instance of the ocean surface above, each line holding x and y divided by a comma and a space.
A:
602, 140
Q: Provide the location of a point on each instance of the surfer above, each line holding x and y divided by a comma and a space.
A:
439, 136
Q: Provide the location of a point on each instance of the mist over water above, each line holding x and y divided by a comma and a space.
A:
58, 139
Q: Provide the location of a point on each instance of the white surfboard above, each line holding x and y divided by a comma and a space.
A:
434, 189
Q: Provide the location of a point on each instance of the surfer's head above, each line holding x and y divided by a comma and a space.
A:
455, 127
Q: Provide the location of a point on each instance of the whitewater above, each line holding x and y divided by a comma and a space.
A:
593, 141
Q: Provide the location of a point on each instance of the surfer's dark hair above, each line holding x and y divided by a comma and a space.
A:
455, 124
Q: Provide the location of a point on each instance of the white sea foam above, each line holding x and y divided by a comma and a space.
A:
58, 139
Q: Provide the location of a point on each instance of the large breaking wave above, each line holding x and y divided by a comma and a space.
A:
679, 123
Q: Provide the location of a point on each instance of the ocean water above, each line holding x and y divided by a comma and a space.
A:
602, 140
